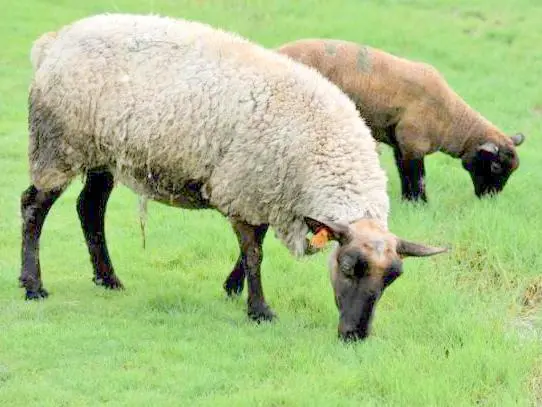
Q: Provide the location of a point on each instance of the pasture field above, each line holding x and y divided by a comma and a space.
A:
459, 329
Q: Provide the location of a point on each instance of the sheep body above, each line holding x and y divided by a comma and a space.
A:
196, 117
409, 106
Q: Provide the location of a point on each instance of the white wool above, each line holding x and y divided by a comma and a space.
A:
164, 102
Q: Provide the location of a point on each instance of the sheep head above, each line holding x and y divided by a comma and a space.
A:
367, 260
490, 164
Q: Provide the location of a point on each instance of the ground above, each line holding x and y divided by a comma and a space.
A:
457, 329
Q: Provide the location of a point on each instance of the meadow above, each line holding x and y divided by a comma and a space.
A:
459, 329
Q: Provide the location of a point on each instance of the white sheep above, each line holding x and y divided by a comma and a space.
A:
195, 117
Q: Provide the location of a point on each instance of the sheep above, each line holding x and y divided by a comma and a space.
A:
196, 117
409, 106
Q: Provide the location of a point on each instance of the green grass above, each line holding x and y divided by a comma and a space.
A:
453, 330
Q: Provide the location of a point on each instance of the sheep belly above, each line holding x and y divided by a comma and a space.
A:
159, 187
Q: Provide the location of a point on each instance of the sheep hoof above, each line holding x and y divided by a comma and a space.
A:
416, 199
39, 294
233, 286
261, 312
110, 281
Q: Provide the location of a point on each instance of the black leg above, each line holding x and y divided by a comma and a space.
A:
35, 206
405, 184
91, 206
250, 243
235, 283
412, 174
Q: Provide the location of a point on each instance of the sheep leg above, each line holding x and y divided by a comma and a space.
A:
235, 283
250, 240
35, 206
412, 174
91, 206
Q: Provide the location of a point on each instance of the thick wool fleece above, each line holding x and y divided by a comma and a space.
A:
389, 90
196, 117
40, 48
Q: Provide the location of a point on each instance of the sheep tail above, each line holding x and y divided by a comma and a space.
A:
143, 217
40, 49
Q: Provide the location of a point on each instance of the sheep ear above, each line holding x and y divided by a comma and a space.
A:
488, 148
411, 249
328, 230
518, 139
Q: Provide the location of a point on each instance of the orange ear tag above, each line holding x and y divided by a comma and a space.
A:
320, 238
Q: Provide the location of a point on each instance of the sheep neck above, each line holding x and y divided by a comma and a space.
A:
467, 130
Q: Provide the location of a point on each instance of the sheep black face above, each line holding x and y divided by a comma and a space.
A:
491, 165
367, 260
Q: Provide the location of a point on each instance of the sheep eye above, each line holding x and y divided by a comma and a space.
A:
352, 264
496, 167
393, 272
347, 262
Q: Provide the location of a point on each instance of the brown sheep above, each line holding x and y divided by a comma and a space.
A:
409, 106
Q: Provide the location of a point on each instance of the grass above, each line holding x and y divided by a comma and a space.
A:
460, 329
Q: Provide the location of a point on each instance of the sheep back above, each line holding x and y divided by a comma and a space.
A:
388, 89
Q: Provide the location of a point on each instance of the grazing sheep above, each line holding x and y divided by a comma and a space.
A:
198, 118
409, 106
